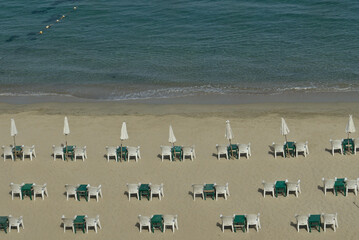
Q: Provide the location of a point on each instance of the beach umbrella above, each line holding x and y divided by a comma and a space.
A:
229, 135
66, 129
284, 130
171, 138
124, 135
13, 130
350, 128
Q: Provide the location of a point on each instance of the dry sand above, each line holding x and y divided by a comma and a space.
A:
97, 125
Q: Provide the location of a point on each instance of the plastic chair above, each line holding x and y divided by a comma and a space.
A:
302, 220
133, 152
278, 148
268, 187
197, 189
301, 147
253, 220
222, 189
330, 219
244, 149
8, 152
157, 189
336, 145
80, 152
328, 184
166, 151
188, 152
356, 145
40, 190
227, 221
293, 187
144, 222
92, 222
221, 150
16, 189
15, 222
132, 188
71, 190
94, 191
58, 151
351, 185
170, 220
68, 223
28, 151
111, 152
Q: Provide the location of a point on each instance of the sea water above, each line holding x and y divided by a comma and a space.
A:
120, 49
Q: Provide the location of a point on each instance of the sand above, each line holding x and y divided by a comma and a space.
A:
97, 125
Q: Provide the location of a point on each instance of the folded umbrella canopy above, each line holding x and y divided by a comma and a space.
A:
350, 128
284, 130
171, 138
66, 129
13, 130
124, 135
229, 135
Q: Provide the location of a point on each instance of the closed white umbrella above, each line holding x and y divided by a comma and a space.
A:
229, 134
66, 129
13, 130
350, 128
171, 138
124, 135
284, 130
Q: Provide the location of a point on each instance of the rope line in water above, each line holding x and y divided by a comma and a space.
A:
57, 21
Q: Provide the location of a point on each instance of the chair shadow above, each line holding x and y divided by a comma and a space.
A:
271, 152
190, 193
159, 156
138, 226
328, 150
320, 188
261, 191
215, 155
219, 225
294, 225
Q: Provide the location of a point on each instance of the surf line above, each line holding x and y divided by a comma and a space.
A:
57, 21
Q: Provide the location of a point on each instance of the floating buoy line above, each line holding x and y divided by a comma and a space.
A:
57, 21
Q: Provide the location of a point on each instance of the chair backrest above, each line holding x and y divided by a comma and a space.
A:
132, 187
197, 188
111, 150
166, 150
243, 148
301, 146
252, 218
302, 219
328, 183
268, 186
329, 218
27, 150
144, 220
71, 188
38, 188
356, 142
67, 221
15, 187
7, 150
221, 148
168, 219
351, 184
336, 144
187, 150
226, 220
13, 221
278, 147
132, 151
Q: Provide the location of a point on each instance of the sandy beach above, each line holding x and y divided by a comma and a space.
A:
97, 125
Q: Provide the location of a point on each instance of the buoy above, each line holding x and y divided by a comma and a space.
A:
40, 32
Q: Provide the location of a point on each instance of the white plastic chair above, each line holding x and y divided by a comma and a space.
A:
28, 151
16, 189
92, 222
94, 191
166, 151
80, 152
111, 152
328, 184
221, 150
336, 145
132, 188
244, 149
278, 148
197, 190
351, 185
71, 190
133, 152
15, 222
253, 220
8, 152
58, 151
144, 222
301, 147
222, 189
330, 219
356, 145
268, 187
68, 223
188, 152
293, 187
302, 220
40, 190
227, 221
157, 189
170, 220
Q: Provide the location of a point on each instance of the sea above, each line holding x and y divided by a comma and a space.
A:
141, 50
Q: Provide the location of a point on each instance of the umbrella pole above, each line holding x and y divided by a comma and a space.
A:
121, 150
286, 143
230, 145
15, 147
66, 146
